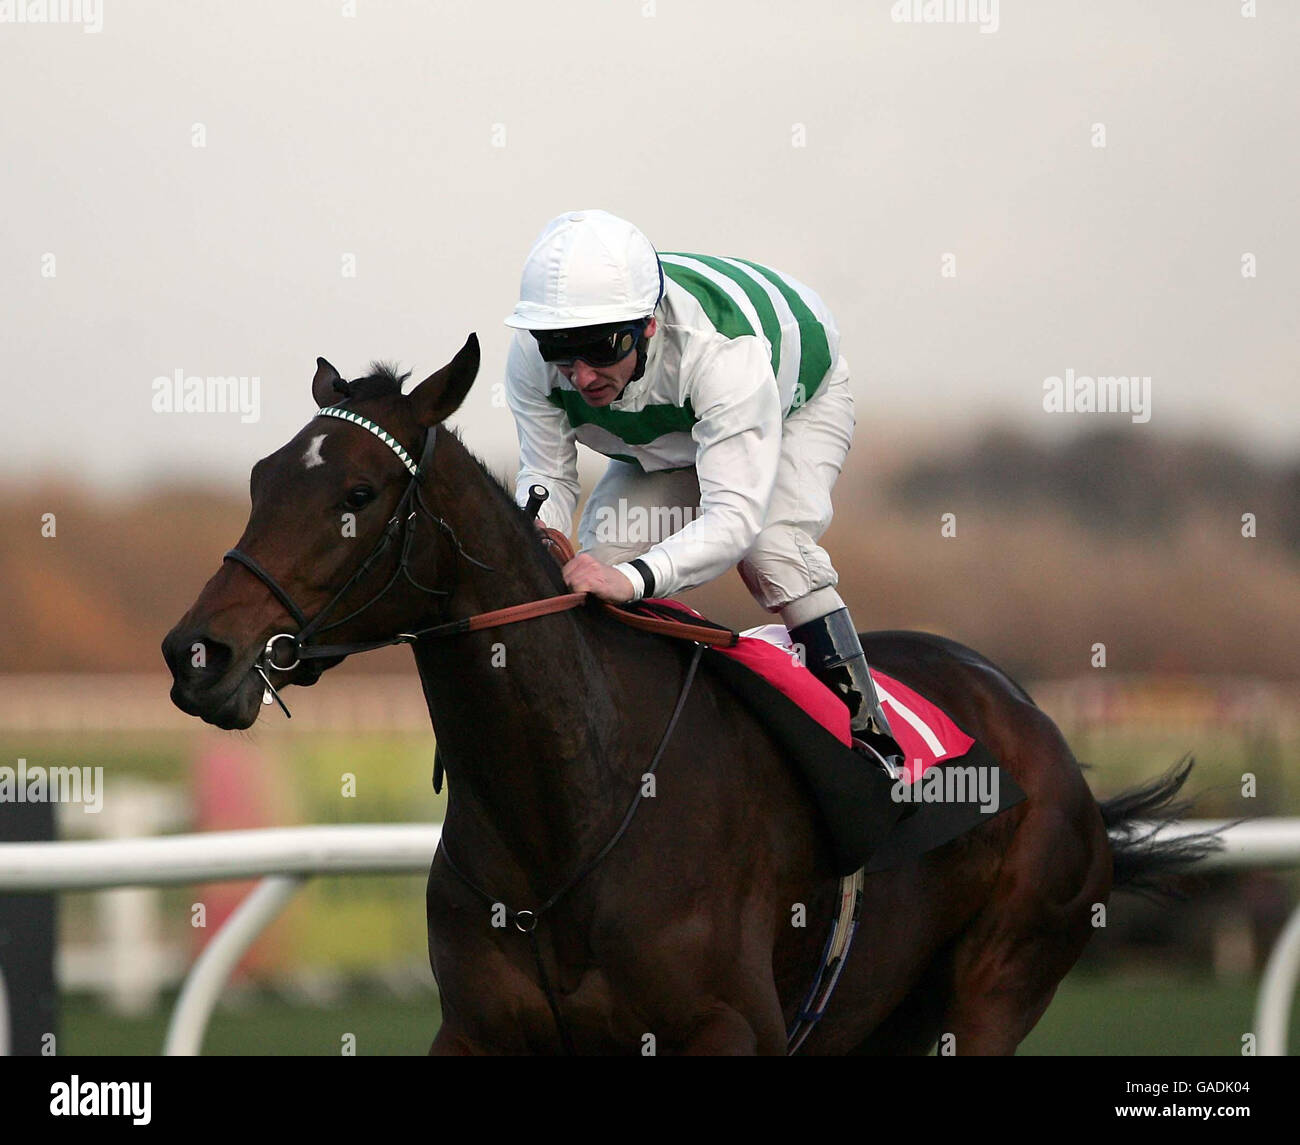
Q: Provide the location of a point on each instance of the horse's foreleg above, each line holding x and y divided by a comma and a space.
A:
721, 1032
753, 1025
449, 1044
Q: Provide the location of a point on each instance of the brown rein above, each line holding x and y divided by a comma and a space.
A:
562, 549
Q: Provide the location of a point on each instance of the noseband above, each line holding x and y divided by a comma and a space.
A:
401, 523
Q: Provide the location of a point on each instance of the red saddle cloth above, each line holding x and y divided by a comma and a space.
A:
924, 731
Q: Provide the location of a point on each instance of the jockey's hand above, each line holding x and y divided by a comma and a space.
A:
586, 574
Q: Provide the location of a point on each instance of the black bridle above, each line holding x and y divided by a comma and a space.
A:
400, 524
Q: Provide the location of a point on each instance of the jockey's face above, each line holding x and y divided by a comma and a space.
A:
599, 387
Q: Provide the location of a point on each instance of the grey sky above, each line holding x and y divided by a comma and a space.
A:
374, 136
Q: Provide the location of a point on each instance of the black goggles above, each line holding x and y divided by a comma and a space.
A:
598, 346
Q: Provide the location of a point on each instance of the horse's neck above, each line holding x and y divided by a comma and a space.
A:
527, 714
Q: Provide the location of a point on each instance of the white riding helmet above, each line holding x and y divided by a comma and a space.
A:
585, 269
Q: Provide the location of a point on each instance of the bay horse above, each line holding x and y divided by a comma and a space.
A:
684, 938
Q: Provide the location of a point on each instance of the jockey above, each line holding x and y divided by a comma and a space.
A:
717, 389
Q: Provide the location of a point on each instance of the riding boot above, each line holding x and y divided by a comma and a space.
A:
833, 653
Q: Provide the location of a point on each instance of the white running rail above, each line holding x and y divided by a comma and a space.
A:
284, 858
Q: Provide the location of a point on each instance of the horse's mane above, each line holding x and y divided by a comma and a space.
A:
382, 381
532, 537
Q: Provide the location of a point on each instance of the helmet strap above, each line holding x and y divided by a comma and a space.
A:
642, 352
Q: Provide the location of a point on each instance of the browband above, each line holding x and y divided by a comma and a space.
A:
383, 434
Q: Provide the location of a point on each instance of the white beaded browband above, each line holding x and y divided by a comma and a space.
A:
383, 435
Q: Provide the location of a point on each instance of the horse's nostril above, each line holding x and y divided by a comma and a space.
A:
196, 659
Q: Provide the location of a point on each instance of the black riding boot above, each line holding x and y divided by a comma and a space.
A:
833, 653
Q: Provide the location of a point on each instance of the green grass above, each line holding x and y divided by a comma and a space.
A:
267, 1025
1116, 1015
1091, 1015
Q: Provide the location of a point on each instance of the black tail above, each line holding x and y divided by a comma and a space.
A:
1145, 863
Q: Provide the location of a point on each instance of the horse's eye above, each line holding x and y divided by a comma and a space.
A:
360, 497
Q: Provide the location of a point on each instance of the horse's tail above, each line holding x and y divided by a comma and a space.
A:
1145, 862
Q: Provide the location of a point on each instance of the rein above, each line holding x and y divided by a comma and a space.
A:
562, 549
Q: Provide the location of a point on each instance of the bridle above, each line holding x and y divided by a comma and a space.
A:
400, 524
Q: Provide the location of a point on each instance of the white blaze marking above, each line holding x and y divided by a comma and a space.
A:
312, 457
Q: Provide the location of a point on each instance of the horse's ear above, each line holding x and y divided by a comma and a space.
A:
327, 387
439, 395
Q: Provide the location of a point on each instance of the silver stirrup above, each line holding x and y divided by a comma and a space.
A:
886, 765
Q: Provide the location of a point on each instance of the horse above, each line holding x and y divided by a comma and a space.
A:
575, 908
